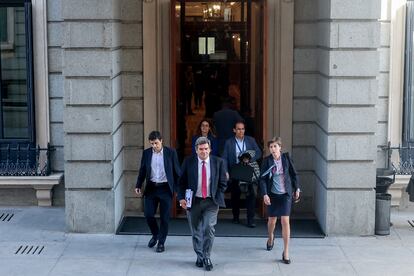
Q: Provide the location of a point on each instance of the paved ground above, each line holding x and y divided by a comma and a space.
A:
97, 254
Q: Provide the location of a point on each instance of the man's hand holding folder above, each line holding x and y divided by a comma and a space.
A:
186, 203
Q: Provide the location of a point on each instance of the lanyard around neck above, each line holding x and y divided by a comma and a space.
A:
243, 146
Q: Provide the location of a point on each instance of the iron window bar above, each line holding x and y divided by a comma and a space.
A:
405, 163
25, 160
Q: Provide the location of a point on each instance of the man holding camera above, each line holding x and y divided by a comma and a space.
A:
233, 149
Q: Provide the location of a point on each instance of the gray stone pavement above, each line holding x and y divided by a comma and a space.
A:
103, 254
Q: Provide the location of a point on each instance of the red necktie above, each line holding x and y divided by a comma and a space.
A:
203, 180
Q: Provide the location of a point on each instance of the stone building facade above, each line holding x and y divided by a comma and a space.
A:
106, 77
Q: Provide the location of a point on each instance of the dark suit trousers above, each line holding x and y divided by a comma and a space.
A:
235, 201
203, 217
158, 196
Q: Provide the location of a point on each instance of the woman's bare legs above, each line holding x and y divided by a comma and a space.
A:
285, 235
271, 224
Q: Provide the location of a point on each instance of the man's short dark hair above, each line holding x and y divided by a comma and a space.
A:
239, 122
202, 141
154, 135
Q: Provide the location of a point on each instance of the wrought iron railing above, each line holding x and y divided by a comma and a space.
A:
18, 160
403, 162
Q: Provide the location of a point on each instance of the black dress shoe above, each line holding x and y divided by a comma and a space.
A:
199, 262
152, 242
251, 225
286, 261
208, 264
160, 248
236, 221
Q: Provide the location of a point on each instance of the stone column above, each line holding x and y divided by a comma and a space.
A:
88, 120
346, 120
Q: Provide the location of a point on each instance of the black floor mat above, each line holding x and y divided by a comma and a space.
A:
300, 228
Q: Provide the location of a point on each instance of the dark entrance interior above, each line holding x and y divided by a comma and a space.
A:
217, 58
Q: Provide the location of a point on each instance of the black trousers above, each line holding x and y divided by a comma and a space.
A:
158, 196
235, 201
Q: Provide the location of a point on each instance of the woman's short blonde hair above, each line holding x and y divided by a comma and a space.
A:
277, 140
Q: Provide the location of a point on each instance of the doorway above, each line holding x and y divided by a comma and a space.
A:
217, 60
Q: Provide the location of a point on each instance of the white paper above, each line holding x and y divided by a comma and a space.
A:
189, 197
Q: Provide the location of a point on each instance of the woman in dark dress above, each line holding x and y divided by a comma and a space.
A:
279, 185
205, 128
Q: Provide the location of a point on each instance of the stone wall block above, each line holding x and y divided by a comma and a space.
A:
132, 158
54, 10
351, 175
305, 10
349, 63
55, 60
94, 119
130, 179
382, 134
133, 134
55, 86
56, 134
129, 35
87, 34
87, 63
127, 111
353, 92
88, 91
56, 110
306, 34
303, 134
303, 158
303, 110
57, 159
384, 56
129, 10
352, 119
90, 211
305, 85
357, 34
127, 60
351, 147
385, 34
305, 60
357, 207
91, 9
382, 109
383, 84
54, 34
88, 147
127, 85
88, 175
355, 9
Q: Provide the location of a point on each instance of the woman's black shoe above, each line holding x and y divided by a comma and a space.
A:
286, 261
270, 247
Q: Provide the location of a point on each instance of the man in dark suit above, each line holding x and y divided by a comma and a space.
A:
233, 148
161, 169
224, 121
205, 176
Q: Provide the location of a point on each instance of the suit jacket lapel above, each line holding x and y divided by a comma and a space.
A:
213, 175
194, 172
165, 159
284, 163
149, 158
